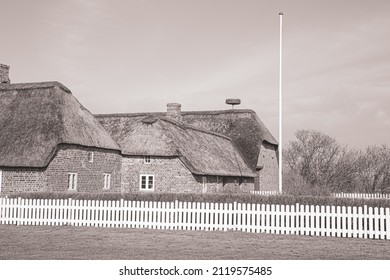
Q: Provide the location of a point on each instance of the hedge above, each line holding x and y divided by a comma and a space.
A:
211, 197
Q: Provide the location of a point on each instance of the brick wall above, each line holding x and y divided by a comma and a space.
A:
237, 185
70, 158
170, 174
269, 175
23, 180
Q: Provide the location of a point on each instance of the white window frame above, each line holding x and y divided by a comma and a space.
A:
204, 184
72, 181
90, 156
106, 181
147, 159
1, 178
147, 178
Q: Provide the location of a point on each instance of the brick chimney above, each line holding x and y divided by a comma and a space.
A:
174, 111
4, 74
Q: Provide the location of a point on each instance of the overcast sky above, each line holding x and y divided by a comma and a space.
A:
138, 55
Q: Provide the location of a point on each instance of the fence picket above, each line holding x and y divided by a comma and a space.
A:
267, 218
338, 221
307, 219
312, 220
34, 216
257, 215
387, 217
282, 219
292, 224
370, 222
362, 195
361, 222
277, 219
376, 223
382, 223
354, 222
318, 221
349, 222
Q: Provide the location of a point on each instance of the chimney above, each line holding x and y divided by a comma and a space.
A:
4, 74
174, 111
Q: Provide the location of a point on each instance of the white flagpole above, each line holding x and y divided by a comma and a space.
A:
280, 106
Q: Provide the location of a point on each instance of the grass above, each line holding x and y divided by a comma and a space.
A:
67, 242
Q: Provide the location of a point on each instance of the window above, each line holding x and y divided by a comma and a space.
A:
204, 184
72, 181
90, 156
146, 183
242, 181
146, 159
1, 177
106, 181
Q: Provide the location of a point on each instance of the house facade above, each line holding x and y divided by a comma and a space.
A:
50, 142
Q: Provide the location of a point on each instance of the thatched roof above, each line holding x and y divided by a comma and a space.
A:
203, 152
243, 126
36, 117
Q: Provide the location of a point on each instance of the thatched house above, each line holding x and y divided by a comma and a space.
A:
229, 150
163, 154
50, 142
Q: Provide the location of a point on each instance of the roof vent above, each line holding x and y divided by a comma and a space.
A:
233, 101
4, 74
149, 120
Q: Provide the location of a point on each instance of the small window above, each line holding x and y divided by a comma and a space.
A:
1, 177
146, 159
90, 156
146, 183
204, 184
106, 181
242, 181
72, 181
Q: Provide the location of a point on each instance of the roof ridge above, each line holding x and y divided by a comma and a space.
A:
34, 85
187, 126
212, 112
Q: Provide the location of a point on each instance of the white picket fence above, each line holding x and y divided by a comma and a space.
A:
362, 195
359, 222
266, 193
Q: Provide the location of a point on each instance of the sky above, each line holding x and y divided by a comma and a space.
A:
138, 55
